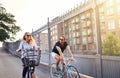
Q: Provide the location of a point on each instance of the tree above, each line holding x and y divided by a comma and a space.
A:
7, 25
111, 45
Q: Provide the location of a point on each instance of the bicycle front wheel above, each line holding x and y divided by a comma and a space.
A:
72, 72
29, 75
53, 71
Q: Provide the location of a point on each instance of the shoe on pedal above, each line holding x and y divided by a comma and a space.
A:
56, 73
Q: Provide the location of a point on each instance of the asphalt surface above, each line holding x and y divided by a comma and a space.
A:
11, 67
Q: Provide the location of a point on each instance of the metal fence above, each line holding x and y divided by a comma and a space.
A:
86, 64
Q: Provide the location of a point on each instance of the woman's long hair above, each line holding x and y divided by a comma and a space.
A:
31, 41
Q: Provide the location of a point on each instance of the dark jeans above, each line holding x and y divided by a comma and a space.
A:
25, 68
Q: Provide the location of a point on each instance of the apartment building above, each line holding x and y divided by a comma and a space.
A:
79, 24
82, 24
41, 40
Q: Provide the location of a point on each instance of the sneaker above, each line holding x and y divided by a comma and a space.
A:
56, 73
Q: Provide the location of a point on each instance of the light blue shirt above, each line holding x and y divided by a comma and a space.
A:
25, 46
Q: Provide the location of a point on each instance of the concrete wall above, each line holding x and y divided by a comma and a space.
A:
11, 47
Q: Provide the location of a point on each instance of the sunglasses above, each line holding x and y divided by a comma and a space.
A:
61, 39
28, 35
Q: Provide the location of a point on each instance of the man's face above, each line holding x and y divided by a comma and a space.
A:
62, 40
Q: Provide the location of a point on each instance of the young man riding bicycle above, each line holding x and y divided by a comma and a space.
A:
58, 50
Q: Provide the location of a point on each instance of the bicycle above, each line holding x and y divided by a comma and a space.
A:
31, 60
69, 71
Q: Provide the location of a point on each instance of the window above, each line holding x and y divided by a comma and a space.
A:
111, 24
84, 33
70, 29
89, 39
89, 31
77, 34
55, 26
73, 28
70, 36
102, 17
88, 23
119, 22
82, 17
74, 34
77, 27
65, 25
110, 11
109, 3
88, 15
73, 21
74, 41
84, 40
118, 10
77, 20
56, 37
101, 10
102, 25
70, 42
84, 24
78, 41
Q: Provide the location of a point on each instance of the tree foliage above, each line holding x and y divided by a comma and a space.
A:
111, 45
7, 25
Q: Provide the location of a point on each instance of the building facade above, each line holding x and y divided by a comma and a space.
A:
80, 24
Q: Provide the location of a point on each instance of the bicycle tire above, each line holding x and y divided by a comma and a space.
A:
53, 70
29, 74
72, 72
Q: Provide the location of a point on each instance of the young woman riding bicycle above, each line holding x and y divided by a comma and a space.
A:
27, 43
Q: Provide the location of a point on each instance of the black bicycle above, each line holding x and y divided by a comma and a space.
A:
31, 60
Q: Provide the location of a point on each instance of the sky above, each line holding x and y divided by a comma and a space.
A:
33, 14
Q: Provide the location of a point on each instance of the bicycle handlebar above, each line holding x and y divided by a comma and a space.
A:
67, 60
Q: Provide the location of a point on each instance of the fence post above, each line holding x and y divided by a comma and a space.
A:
98, 39
49, 44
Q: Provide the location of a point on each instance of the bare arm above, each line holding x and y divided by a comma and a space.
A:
18, 50
69, 51
20, 47
59, 50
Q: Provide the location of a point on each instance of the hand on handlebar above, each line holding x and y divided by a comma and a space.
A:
18, 50
72, 58
69, 59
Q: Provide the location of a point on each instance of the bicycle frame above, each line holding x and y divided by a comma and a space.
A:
69, 71
67, 65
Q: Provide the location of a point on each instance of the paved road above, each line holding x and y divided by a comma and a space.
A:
11, 67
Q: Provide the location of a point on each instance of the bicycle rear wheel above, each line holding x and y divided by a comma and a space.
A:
72, 72
53, 72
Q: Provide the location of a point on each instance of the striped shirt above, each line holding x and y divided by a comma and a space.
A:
25, 46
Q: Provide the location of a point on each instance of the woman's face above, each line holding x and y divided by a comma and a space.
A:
28, 37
